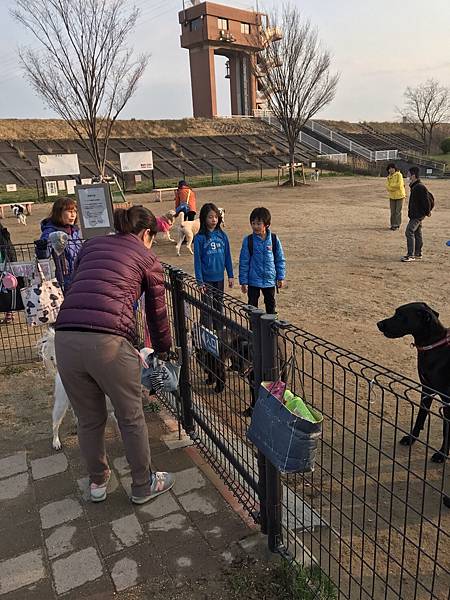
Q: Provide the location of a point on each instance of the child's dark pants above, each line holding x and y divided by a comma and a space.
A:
268, 294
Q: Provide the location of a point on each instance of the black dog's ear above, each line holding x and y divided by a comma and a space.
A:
426, 315
428, 308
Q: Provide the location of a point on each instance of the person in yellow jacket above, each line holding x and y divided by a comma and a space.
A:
396, 189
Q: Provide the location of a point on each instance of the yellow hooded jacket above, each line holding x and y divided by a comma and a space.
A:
396, 186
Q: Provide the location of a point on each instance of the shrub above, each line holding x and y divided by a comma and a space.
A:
445, 145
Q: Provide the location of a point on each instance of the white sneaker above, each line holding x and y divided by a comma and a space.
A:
98, 492
161, 482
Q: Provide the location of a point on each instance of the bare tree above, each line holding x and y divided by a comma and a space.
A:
82, 67
425, 106
294, 74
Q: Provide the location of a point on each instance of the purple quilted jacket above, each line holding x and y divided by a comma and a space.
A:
110, 275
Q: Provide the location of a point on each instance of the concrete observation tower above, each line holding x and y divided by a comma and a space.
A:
208, 29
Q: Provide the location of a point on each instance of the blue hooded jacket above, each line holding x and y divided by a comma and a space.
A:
264, 267
65, 263
212, 256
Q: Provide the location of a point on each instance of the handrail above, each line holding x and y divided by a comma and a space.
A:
371, 155
304, 138
422, 160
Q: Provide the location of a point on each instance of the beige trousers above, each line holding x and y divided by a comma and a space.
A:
91, 366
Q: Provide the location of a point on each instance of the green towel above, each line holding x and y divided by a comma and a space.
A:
298, 408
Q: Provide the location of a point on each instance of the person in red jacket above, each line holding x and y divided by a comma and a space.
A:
185, 201
95, 332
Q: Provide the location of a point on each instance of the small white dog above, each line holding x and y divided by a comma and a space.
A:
19, 212
189, 229
46, 347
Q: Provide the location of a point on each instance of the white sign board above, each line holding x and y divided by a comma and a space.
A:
52, 188
11, 187
61, 185
95, 209
86, 181
58, 165
70, 184
136, 161
429, 171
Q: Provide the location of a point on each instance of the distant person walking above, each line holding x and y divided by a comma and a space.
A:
396, 190
185, 201
419, 206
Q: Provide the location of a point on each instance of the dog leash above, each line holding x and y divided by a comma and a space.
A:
445, 341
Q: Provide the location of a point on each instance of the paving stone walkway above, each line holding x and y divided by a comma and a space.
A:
55, 543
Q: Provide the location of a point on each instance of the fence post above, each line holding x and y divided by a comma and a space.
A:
212, 175
255, 315
238, 175
261, 171
37, 190
269, 371
176, 281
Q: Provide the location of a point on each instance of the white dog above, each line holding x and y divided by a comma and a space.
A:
188, 229
46, 347
19, 212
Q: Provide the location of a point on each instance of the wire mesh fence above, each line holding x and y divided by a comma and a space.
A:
371, 514
369, 521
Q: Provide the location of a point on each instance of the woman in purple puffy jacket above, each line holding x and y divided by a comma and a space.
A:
95, 332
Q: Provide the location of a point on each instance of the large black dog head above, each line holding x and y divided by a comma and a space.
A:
415, 318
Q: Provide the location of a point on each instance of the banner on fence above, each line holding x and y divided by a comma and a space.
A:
27, 268
58, 165
206, 339
136, 161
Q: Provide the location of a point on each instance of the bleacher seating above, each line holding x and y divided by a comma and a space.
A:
173, 156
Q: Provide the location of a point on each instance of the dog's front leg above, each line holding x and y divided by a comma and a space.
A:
442, 455
59, 410
425, 404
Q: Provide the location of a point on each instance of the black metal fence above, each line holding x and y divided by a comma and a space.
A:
369, 521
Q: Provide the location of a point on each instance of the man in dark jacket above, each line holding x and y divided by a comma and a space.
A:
418, 209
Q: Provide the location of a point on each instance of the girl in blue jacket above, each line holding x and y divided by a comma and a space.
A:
63, 217
212, 257
262, 266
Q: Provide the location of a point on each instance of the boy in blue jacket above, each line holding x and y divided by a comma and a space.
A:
262, 265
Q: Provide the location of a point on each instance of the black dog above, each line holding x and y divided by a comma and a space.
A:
432, 341
232, 347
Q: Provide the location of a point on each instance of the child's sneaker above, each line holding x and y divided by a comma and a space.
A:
418, 256
98, 492
161, 482
408, 259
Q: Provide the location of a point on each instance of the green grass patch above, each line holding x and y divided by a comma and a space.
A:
253, 580
23, 194
442, 158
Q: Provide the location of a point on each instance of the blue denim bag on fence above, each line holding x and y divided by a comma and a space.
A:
287, 441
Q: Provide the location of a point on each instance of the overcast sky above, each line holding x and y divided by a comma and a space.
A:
379, 48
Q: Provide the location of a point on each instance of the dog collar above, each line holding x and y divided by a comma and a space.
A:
445, 341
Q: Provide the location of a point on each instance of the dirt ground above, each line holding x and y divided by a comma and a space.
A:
343, 275
343, 262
